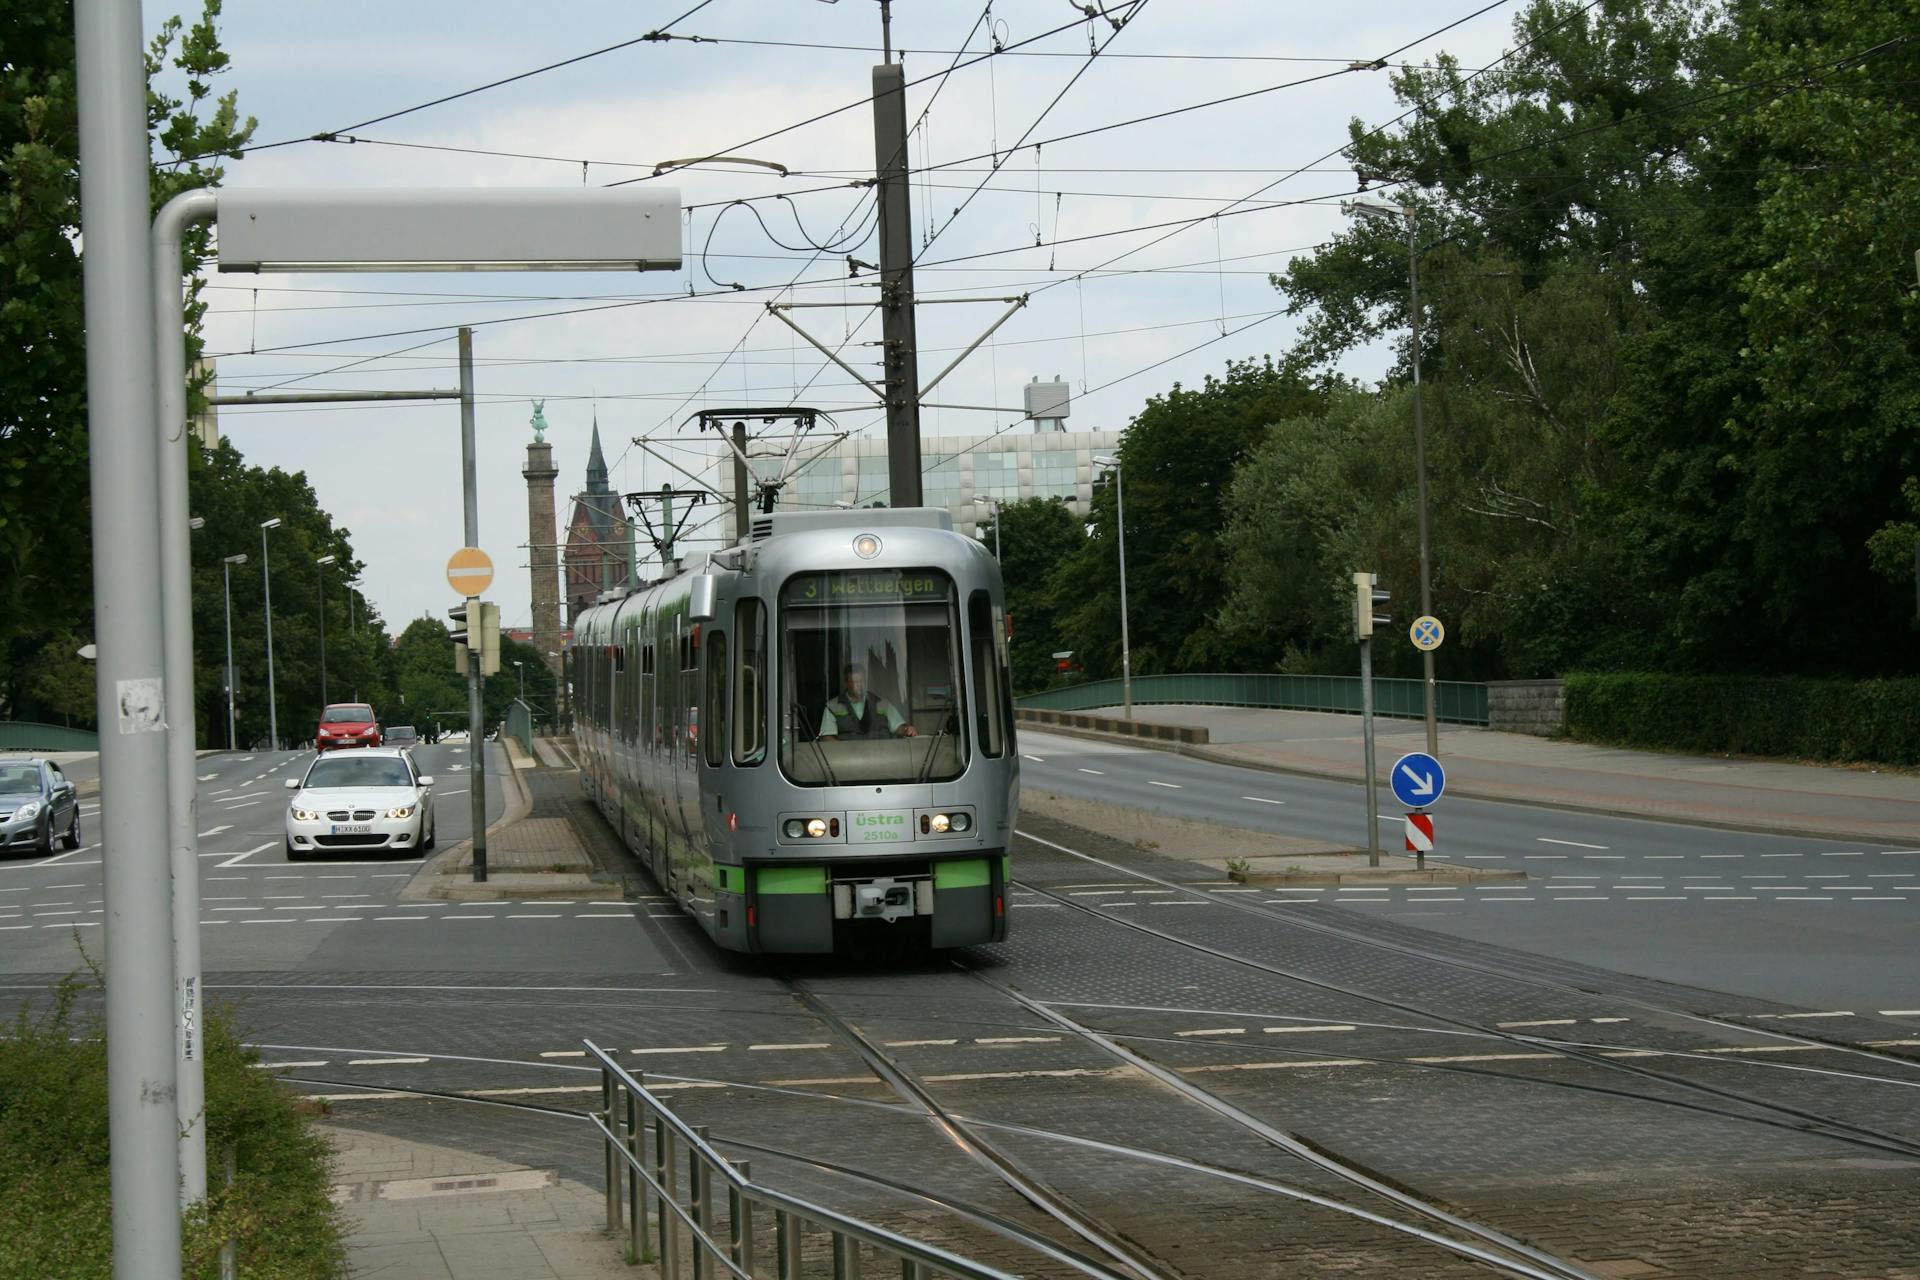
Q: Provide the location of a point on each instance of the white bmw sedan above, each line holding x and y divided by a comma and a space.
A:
363, 800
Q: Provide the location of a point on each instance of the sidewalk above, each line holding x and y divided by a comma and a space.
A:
533, 850
434, 1213
1750, 795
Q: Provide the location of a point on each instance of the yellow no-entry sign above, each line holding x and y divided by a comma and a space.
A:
469, 572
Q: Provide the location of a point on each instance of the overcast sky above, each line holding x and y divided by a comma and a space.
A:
390, 473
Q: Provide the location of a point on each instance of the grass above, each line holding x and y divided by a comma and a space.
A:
55, 1211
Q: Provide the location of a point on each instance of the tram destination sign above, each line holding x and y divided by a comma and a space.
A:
874, 586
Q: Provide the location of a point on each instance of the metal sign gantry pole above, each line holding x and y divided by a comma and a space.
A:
123, 456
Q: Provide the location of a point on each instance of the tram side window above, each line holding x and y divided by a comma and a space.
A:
987, 636
750, 683
714, 643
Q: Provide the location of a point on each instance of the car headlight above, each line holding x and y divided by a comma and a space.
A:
31, 809
305, 815
402, 811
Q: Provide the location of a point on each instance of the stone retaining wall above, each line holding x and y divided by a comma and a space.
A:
1111, 724
1538, 707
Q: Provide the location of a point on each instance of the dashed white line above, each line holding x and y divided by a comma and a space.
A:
1171, 786
768, 1048
384, 1062
1262, 800
1572, 843
1098, 773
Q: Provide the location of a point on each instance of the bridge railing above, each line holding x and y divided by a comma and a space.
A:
1455, 701
711, 1225
25, 735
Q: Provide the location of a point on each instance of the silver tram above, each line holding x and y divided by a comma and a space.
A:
809, 737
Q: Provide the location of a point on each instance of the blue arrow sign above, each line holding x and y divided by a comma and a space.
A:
1418, 780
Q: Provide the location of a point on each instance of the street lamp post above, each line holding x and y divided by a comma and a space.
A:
1364, 208
226, 573
1126, 649
320, 576
266, 586
995, 504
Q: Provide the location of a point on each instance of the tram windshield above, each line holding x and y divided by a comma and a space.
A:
870, 678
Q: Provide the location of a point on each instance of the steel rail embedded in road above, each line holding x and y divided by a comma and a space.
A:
1810, 1123
1004, 1167
1506, 1252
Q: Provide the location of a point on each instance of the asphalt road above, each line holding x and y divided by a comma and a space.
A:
1812, 922
257, 910
357, 997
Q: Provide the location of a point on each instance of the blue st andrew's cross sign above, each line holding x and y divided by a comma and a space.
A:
1418, 780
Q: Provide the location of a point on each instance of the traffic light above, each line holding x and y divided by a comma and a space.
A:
489, 646
466, 635
1369, 605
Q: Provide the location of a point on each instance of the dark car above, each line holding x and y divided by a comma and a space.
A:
347, 724
401, 735
36, 804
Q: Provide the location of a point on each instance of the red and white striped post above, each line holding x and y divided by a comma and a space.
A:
1420, 836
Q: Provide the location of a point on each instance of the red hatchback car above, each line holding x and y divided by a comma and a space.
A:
346, 724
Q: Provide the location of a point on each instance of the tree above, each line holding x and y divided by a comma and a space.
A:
1035, 535
1178, 454
44, 480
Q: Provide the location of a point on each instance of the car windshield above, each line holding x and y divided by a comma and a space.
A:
355, 770
870, 690
18, 778
347, 715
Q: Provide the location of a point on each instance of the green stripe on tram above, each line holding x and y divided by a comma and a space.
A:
729, 879
791, 879
969, 873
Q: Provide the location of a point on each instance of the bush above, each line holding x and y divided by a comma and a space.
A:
55, 1211
1869, 721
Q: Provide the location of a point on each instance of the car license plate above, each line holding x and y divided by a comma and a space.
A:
353, 829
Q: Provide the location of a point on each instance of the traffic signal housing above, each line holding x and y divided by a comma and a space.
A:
1369, 605
466, 634
489, 646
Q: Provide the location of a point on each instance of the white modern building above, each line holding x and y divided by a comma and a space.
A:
956, 472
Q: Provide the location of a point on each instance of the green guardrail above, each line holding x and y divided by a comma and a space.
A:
25, 735
520, 724
1455, 701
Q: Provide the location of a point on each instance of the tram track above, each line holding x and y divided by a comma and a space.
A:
1484, 1245
1781, 1115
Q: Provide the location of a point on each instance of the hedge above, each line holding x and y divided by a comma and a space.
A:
55, 1212
1868, 721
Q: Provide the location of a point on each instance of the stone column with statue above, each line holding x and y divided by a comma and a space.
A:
543, 545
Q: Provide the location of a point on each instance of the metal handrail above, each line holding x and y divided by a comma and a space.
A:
644, 1141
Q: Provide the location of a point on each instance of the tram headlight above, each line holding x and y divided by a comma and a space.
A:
963, 822
794, 829
941, 822
816, 827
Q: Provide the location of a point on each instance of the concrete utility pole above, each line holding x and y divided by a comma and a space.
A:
124, 458
476, 714
900, 346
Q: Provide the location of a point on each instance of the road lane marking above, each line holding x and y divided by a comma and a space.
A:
383, 1062
1098, 773
768, 1048
1018, 1040
208, 777
1171, 786
1035, 759
916, 1044
239, 858
564, 1053
1573, 843
214, 831
1262, 800
687, 1048
1332, 1026
1214, 1031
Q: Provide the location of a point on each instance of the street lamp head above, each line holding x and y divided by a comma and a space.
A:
270, 524
196, 522
239, 559
1362, 206
1105, 460
324, 560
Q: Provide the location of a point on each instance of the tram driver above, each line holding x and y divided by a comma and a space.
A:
858, 713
